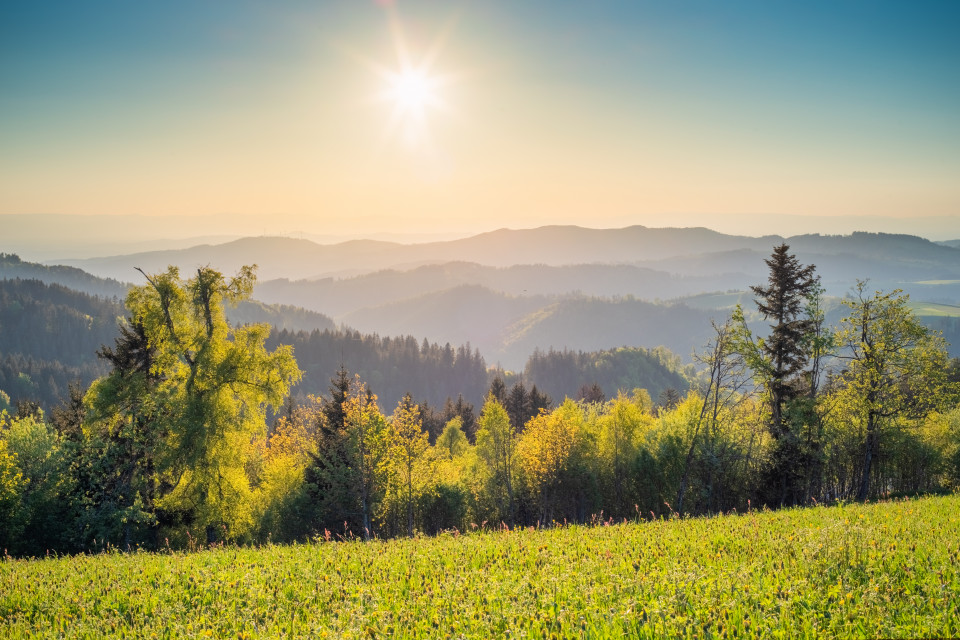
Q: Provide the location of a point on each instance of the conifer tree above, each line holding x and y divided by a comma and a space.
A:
779, 362
518, 405
782, 302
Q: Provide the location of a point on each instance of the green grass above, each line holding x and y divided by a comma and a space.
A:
726, 300
879, 570
934, 309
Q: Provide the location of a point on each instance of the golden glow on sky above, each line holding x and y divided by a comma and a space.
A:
425, 116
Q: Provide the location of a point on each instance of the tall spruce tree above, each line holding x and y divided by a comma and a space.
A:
783, 355
782, 302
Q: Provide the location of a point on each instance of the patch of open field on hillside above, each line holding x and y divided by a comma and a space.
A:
879, 570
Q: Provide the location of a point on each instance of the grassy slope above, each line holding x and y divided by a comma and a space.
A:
934, 309
883, 570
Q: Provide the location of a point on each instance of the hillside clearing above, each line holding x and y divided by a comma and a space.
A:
877, 570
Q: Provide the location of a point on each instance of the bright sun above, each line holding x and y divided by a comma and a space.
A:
413, 89
412, 92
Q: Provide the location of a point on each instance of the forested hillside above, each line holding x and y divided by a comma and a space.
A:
618, 370
12, 267
430, 372
50, 335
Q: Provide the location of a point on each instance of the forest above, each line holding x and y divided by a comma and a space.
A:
190, 433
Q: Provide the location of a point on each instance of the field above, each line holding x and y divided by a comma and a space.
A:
934, 309
878, 570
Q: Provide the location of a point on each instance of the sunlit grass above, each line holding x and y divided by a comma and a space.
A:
934, 309
880, 570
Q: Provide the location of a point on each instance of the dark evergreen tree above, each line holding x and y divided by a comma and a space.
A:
331, 478
333, 408
591, 393
467, 415
538, 402
782, 301
68, 417
518, 405
498, 389
117, 474
432, 421
785, 355
668, 399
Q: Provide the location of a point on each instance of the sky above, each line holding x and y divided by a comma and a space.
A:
432, 116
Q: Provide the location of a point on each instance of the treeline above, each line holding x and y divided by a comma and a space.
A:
341, 466
172, 445
393, 366
560, 373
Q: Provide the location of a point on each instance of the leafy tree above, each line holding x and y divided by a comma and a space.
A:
895, 368
452, 442
11, 489
620, 430
204, 398
35, 463
280, 493
724, 387
367, 430
545, 452
496, 439
406, 442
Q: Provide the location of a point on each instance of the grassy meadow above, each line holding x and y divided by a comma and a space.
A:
878, 570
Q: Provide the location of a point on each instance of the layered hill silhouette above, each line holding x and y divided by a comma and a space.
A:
50, 334
509, 291
695, 251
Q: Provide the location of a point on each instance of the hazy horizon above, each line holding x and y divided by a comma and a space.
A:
50, 237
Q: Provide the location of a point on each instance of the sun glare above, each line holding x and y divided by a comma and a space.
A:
412, 88
412, 91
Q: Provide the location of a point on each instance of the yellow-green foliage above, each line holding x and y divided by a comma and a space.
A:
203, 403
875, 570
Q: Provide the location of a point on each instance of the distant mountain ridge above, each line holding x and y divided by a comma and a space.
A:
295, 259
340, 296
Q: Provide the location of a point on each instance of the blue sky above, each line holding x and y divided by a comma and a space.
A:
596, 113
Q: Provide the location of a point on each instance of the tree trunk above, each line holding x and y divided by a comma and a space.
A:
868, 457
